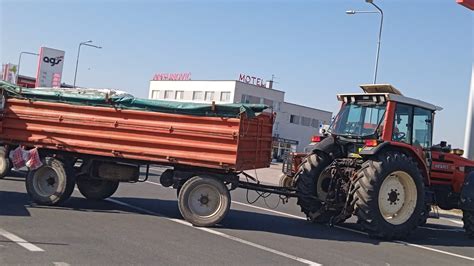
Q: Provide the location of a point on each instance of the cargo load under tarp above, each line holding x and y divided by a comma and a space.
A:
114, 126
122, 100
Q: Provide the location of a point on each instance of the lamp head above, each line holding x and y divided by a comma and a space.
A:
350, 12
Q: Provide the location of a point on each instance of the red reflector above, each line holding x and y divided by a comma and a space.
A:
371, 142
315, 139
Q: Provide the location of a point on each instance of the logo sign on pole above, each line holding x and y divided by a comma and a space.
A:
252, 80
50, 68
172, 76
9, 72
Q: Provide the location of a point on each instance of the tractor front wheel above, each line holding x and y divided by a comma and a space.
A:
312, 184
389, 196
468, 219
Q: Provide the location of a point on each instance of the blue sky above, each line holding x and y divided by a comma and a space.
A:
314, 49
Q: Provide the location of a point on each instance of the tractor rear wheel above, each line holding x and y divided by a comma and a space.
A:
313, 181
389, 196
468, 219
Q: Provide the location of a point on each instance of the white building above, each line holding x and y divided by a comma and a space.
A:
294, 124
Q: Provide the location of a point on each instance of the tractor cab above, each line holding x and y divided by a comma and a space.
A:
383, 115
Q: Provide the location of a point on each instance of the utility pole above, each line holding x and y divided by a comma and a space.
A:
469, 133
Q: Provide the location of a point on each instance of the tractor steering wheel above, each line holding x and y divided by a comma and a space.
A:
399, 136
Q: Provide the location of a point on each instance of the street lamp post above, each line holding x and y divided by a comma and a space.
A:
86, 43
353, 12
19, 62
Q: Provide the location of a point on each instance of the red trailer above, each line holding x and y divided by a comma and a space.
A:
97, 139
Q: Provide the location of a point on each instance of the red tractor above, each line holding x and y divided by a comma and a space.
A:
379, 164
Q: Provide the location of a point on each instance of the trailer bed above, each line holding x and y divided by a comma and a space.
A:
209, 141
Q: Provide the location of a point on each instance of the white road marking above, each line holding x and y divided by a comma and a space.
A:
352, 230
441, 229
435, 250
20, 241
360, 232
217, 233
61, 264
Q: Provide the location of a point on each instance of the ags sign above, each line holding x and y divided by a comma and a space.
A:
50, 68
252, 80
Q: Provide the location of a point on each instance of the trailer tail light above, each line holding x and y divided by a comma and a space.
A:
371, 143
315, 139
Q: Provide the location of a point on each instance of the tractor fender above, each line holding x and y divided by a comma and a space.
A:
405, 148
329, 146
467, 193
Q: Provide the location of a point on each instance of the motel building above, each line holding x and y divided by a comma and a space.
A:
294, 125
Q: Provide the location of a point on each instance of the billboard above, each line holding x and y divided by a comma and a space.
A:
50, 68
9, 72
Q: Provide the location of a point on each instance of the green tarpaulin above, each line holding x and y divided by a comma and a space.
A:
123, 100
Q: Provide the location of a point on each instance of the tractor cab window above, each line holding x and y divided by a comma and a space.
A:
358, 120
402, 123
422, 127
413, 125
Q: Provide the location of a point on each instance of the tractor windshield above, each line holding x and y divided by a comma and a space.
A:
358, 120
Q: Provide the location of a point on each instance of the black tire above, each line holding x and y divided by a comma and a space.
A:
366, 197
307, 183
204, 213
52, 183
425, 215
96, 189
5, 163
468, 219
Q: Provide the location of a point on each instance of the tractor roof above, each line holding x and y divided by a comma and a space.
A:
385, 92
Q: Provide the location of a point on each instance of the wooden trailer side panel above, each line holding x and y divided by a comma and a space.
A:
172, 139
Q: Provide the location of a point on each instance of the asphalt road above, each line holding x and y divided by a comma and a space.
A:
141, 224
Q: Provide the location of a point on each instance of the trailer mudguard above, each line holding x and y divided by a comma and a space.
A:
467, 193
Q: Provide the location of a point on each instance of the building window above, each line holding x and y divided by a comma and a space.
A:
179, 95
155, 94
305, 121
315, 123
294, 119
268, 103
245, 98
209, 96
169, 95
225, 96
197, 95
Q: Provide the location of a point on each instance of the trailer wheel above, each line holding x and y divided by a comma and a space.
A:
389, 196
313, 181
52, 183
468, 219
203, 201
5, 163
96, 189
